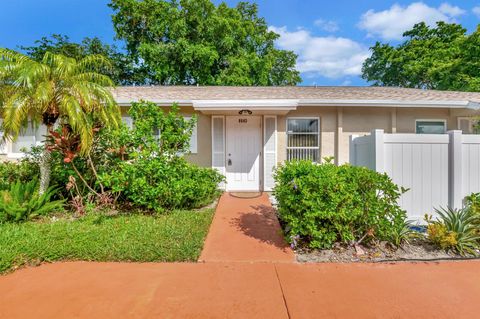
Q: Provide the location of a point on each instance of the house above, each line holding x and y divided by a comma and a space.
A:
245, 131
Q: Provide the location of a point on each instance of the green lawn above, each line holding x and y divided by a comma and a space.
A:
178, 236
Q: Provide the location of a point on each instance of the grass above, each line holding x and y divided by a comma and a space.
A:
177, 236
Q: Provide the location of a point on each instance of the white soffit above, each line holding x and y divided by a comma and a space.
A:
258, 105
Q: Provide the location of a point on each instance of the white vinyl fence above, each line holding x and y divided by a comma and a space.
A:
438, 169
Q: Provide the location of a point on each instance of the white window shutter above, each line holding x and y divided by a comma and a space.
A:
218, 145
270, 151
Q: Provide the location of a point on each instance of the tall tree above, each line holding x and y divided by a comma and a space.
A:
122, 70
443, 57
195, 42
57, 88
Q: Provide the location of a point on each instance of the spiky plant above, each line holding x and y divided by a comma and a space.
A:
460, 224
58, 88
23, 202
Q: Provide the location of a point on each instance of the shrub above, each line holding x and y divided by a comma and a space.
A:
162, 184
23, 202
472, 203
23, 171
323, 204
454, 230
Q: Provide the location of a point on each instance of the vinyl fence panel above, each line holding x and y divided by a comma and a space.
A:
438, 169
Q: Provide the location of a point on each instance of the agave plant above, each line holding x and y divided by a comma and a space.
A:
23, 202
461, 223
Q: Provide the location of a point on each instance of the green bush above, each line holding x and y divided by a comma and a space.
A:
454, 229
23, 171
162, 184
23, 202
323, 204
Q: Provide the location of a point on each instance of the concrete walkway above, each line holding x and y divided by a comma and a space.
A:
248, 272
242, 290
245, 230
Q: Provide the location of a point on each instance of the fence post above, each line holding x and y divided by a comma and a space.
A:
352, 152
455, 197
378, 149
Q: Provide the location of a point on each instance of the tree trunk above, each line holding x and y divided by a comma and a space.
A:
45, 166
45, 170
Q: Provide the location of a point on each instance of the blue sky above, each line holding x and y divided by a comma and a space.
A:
331, 37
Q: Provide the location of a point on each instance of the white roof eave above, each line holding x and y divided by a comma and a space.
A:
290, 104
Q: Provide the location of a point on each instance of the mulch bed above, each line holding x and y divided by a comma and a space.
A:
419, 249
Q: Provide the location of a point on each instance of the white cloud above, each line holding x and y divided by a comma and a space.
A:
452, 11
476, 11
331, 57
392, 23
326, 25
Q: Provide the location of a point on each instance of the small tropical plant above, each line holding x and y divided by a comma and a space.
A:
401, 232
55, 89
454, 230
23, 202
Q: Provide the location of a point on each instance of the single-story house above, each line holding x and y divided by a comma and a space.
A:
244, 132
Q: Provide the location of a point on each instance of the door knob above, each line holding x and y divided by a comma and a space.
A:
229, 162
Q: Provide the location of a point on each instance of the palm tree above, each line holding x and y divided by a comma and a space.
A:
58, 88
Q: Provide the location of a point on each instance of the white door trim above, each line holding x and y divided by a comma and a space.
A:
250, 185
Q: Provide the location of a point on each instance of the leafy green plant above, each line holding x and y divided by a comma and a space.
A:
472, 203
23, 202
323, 204
454, 229
162, 184
401, 232
12, 171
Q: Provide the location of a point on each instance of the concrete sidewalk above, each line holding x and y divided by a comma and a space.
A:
245, 230
242, 290
248, 271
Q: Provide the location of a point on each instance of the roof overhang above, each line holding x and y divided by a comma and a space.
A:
278, 105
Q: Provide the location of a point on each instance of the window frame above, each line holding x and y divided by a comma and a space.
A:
306, 147
445, 128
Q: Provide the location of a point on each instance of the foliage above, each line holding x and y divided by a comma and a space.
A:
122, 71
156, 176
57, 87
401, 231
22, 171
196, 42
442, 57
323, 204
23, 202
177, 236
472, 203
454, 230
160, 183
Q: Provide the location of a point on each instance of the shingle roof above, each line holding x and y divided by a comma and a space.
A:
190, 93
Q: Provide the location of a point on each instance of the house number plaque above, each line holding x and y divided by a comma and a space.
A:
242, 121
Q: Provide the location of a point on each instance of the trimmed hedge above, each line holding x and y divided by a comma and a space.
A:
321, 204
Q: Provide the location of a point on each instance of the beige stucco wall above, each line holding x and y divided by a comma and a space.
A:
337, 124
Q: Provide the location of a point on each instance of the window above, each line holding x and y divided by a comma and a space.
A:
468, 125
303, 139
430, 126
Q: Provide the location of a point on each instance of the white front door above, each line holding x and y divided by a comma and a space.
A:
243, 147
